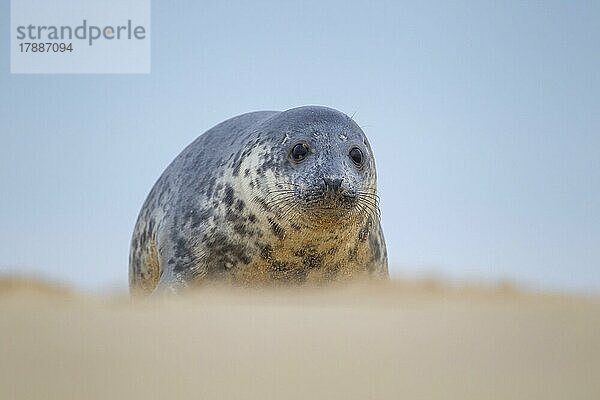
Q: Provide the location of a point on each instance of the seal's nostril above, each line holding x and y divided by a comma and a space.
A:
332, 184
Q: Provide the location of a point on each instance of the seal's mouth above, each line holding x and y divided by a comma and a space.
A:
332, 205
328, 199
329, 204
326, 206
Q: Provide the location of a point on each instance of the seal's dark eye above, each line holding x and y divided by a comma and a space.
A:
299, 152
357, 156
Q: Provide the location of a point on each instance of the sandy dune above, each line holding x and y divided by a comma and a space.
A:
384, 341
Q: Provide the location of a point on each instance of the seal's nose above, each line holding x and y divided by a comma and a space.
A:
332, 184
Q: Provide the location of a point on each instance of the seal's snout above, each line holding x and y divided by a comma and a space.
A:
335, 194
332, 185
332, 189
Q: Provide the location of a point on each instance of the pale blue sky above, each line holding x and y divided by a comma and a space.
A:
484, 118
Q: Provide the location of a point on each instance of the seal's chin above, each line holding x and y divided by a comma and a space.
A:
330, 210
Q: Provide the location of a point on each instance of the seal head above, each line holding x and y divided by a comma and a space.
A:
321, 172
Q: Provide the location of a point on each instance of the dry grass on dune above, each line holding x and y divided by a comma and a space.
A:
402, 339
32, 286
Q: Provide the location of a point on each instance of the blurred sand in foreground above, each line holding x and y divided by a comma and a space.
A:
398, 340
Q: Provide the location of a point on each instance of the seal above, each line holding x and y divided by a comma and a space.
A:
266, 197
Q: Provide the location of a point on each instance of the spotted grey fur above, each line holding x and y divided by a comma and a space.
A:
235, 206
